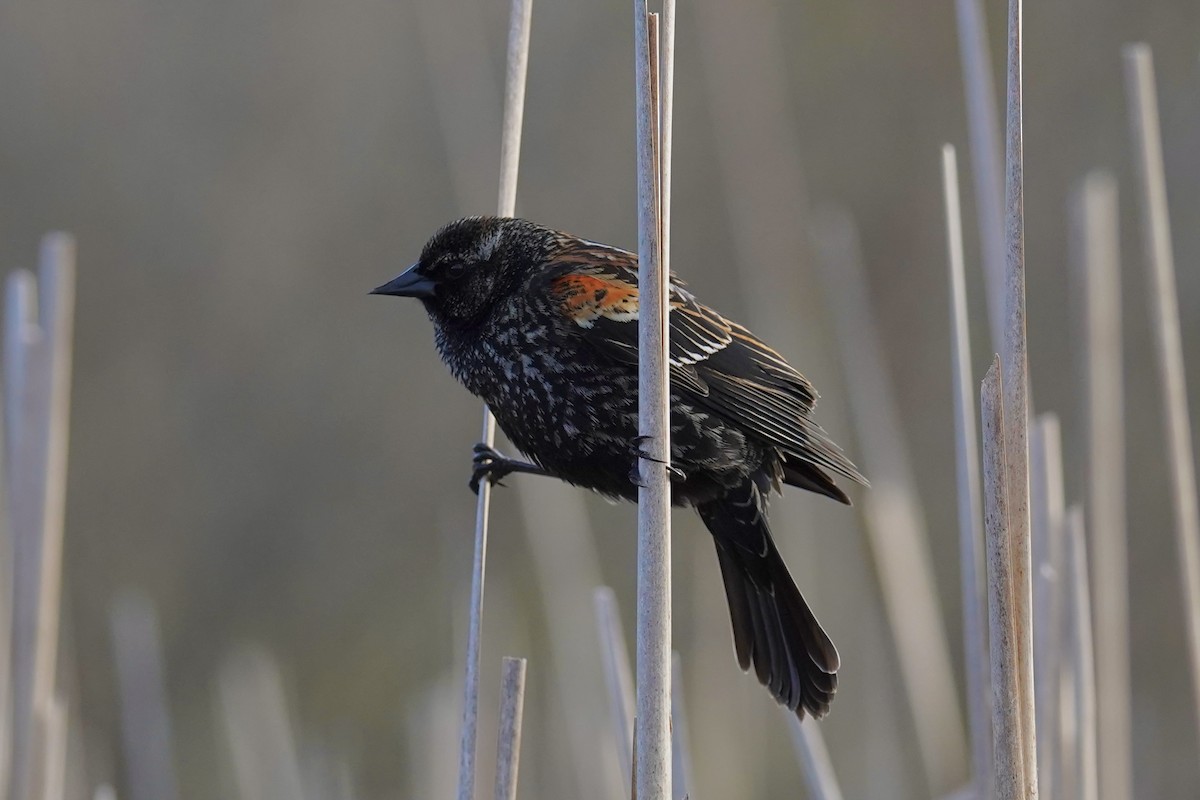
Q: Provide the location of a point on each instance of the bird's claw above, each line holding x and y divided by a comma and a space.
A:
488, 463
635, 475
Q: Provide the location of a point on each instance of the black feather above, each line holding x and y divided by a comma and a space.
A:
773, 628
543, 327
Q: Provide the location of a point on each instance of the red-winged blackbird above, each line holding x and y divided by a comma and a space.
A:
543, 327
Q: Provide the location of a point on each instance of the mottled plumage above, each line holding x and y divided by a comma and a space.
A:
543, 327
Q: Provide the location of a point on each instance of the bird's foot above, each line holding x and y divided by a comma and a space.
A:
488, 463
635, 474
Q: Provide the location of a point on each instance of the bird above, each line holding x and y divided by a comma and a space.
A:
542, 326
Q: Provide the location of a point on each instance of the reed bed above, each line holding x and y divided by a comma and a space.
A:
1044, 578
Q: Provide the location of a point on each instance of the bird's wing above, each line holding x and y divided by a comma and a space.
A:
715, 362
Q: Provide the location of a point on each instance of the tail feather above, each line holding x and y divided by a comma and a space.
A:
774, 631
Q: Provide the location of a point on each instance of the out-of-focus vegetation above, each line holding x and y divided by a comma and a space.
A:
274, 457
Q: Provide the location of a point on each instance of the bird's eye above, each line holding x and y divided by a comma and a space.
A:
456, 270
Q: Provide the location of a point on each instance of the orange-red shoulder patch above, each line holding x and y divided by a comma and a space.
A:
586, 297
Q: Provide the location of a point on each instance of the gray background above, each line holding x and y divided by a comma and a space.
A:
272, 456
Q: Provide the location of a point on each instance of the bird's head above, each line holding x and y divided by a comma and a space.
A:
468, 265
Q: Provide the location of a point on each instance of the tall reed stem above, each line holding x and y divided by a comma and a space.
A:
510, 153
652, 732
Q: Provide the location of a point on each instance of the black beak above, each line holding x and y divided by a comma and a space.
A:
410, 283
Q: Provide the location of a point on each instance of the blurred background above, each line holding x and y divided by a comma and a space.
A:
279, 462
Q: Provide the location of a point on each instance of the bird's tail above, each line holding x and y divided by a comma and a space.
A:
773, 628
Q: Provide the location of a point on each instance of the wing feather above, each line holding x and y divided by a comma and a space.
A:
717, 364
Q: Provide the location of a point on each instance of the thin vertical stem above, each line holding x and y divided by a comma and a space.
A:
987, 162
1164, 310
21, 334
1016, 389
894, 519
1097, 284
554, 518
814, 756
519, 22
1082, 659
7, 620
1046, 501
56, 279
970, 506
38, 373
145, 720
617, 677
563, 549
652, 736
666, 114
258, 726
510, 150
470, 711
1009, 776
508, 743
53, 766
681, 748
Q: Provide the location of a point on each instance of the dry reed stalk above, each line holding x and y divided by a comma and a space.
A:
253, 706
470, 710
512, 708
56, 314
37, 406
565, 563
53, 767
681, 748
554, 516
1016, 388
1009, 775
510, 152
1086, 769
519, 22
970, 506
1097, 285
617, 675
652, 736
327, 772
21, 337
894, 520
1164, 311
6, 651
20, 333
665, 116
145, 719
987, 160
814, 756
1047, 508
